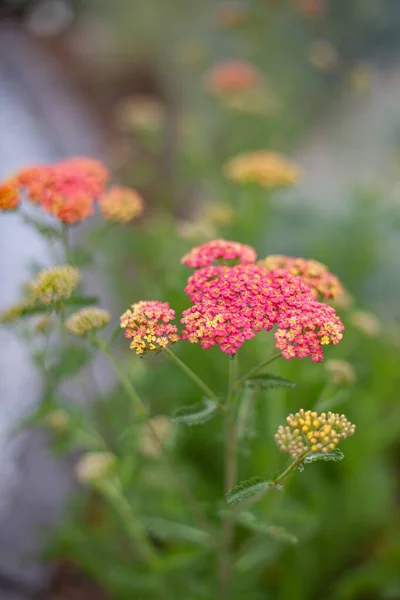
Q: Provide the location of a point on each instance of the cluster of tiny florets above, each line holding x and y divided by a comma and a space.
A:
265, 168
230, 304
148, 325
307, 431
121, 204
53, 285
66, 189
9, 196
220, 251
87, 319
313, 273
303, 331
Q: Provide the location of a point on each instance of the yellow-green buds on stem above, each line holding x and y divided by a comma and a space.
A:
53, 285
86, 320
308, 431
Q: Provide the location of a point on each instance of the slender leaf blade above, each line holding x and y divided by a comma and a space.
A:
247, 489
196, 414
268, 381
334, 456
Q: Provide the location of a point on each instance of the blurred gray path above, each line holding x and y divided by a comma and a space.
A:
40, 120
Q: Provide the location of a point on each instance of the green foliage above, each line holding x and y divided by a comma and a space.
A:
334, 456
266, 381
197, 414
248, 489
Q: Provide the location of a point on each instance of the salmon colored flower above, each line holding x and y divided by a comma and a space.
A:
308, 431
9, 195
121, 204
311, 8
232, 76
219, 250
148, 325
267, 169
313, 273
66, 189
87, 319
53, 285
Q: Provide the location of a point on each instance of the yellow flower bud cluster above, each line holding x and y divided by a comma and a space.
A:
87, 319
53, 285
307, 431
265, 168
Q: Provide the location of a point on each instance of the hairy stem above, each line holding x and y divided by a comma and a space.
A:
255, 370
199, 382
231, 440
289, 470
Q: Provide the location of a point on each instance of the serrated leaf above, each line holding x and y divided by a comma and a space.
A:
267, 381
247, 489
334, 456
196, 414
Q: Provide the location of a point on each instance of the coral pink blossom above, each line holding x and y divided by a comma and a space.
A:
304, 330
233, 303
66, 189
147, 325
232, 76
313, 273
9, 196
219, 250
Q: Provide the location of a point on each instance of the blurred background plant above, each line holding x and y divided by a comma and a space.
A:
180, 89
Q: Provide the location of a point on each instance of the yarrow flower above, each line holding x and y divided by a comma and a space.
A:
313, 273
66, 189
140, 113
87, 319
148, 325
53, 285
303, 331
93, 467
152, 445
120, 203
340, 372
9, 195
267, 169
232, 76
307, 431
232, 304
219, 250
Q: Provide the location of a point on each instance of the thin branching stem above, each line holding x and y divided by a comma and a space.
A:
256, 369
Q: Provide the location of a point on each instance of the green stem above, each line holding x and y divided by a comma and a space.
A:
247, 399
231, 440
141, 410
131, 524
255, 370
199, 382
290, 469
130, 390
67, 244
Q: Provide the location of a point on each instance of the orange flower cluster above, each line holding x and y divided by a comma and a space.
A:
9, 197
68, 190
121, 204
313, 273
232, 76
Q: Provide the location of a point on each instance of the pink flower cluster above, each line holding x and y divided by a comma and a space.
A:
233, 303
219, 250
147, 324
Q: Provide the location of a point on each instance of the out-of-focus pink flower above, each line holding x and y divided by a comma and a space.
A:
120, 203
232, 76
220, 251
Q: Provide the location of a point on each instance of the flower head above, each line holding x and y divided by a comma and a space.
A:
120, 203
9, 195
147, 325
232, 76
87, 319
94, 466
53, 285
150, 444
307, 431
314, 274
66, 189
267, 169
366, 322
140, 113
219, 250
340, 372
304, 330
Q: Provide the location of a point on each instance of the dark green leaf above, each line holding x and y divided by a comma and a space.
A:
248, 489
169, 530
196, 414
333, 456
268, 381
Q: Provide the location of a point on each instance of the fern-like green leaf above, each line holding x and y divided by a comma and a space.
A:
333, 456
267, 381
196, 414
249, 520
247, 489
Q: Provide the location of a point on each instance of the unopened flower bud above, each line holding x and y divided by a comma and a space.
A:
87, 319
94, 466
53, 285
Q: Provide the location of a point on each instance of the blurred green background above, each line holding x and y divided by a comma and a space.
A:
335, 531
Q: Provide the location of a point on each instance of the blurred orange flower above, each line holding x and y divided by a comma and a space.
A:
121, 204
232, 76
265, 168
9, 196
